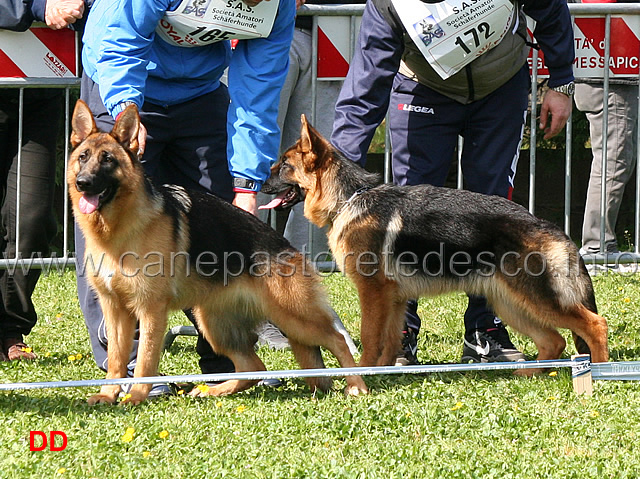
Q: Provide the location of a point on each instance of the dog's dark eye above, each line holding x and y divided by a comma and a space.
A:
107, 158
83, 157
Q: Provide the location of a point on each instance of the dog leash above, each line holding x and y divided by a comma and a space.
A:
358, 192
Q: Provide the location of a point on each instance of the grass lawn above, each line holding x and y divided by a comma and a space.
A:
484, 425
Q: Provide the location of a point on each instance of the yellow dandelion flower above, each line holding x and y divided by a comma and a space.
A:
551, 398
72, 358
594, 414
78, 356
126, 397
203, 388
241, 408
128, 435
62, 470
47, 354
180, 392
219, 404
553, 373
627, 300
457, 406
146, 454
27, 349
620, 288
59, 316
163, 434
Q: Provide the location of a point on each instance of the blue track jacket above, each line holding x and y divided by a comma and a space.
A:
129, 62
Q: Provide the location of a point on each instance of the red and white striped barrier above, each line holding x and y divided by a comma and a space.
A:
39, 53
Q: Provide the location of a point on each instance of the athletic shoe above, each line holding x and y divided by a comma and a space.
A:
491, 345
269, 334
408, 354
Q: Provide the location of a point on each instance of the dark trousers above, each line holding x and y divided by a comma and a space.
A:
41, 120
186, 145
424, 141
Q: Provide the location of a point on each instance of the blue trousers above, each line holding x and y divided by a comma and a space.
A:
425, 126
186, 145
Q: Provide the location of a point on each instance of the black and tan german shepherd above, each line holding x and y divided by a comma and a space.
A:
163, 248
401, 242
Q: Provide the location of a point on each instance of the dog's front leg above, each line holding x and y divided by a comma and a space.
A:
153, 324
120, 330
381, 322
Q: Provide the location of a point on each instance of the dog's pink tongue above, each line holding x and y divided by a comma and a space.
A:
277, 201
88, 203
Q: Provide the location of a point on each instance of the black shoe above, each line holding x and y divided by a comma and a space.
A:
491, 345
408, 354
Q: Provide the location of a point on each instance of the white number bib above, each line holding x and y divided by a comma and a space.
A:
453, 33
201, 22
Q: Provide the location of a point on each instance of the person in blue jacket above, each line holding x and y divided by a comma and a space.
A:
41, 117
444, 69
196, 132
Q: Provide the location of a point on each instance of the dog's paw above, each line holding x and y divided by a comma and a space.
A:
356, 390
134, 398
102, 398
529, 373
201, 390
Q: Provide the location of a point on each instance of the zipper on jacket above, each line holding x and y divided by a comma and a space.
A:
472, 93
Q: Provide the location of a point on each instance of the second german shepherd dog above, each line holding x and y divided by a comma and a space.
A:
401, 242
163, 248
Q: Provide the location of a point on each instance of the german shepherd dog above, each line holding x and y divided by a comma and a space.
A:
401, 242
161, 248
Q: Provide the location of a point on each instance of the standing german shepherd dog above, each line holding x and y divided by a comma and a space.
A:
163, 248
401, 242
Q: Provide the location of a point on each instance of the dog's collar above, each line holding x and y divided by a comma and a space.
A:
358, 192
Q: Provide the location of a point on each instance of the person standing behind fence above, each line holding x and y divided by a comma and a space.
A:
296, 99
42, 112
482, 96
201, 135
621, 153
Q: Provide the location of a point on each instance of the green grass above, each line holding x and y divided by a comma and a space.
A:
481, 425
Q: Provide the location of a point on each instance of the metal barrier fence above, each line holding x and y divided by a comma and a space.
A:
606, 10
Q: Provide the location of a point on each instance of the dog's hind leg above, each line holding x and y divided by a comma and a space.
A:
120, 330
589, 327
229, 333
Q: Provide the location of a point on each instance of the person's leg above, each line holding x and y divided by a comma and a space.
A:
621, 146
492, 138
37, 225
423, 142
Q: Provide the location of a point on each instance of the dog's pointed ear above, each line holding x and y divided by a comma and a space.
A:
127, 127
82, 123
306, 144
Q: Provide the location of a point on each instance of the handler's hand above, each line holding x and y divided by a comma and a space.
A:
247, 201
557, 106
61, 13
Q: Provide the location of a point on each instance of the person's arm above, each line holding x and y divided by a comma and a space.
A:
257, 72
18, 15
364, 98
121, 37
554, 34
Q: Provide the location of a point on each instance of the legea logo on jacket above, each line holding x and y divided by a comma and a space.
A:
416, 108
